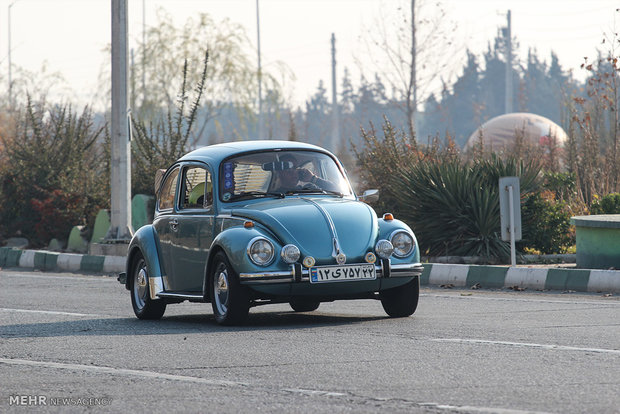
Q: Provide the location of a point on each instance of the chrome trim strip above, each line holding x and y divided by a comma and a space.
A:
258, 275
406, 269
178, 295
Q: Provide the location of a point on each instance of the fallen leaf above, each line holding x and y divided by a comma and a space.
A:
516, 288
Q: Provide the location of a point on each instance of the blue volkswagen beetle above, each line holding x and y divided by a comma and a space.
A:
250, 223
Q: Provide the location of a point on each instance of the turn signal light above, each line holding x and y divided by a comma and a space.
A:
388, 217
248, 224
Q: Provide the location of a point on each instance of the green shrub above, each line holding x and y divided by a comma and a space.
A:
58, 212
563, 185
53, 161
608, 204
546, 224
381, 160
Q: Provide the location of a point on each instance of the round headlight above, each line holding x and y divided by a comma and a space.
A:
384, 248
260, 251
403, 243
290, 253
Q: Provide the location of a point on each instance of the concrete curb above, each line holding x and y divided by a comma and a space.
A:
54, 261
457, 275
578, 280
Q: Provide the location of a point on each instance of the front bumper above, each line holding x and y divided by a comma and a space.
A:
299, 274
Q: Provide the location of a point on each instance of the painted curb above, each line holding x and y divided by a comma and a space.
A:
54, 261
578, 280
457, 275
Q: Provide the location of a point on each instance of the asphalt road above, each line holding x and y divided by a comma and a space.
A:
71, 343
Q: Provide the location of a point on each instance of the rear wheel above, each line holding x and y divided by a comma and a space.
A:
230, 300
304, 305
143, 306
401, 301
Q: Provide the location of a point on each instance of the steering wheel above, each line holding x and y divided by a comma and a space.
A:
310, 186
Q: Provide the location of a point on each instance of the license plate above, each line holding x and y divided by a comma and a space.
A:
342, 273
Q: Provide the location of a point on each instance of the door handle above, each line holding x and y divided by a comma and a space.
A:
174, 225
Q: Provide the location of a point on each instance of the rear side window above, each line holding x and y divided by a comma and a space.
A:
197, 188
168, 190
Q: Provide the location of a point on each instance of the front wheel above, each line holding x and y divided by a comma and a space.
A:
143, 306
230, 300
401, 301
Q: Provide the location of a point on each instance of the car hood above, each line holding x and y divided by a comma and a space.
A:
307, 223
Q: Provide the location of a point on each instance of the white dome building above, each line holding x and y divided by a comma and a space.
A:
500, 133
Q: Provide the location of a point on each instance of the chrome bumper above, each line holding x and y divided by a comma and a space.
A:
298, 274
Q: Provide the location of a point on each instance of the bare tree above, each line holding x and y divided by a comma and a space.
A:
411, 50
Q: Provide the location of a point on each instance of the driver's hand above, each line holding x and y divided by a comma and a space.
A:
305, 174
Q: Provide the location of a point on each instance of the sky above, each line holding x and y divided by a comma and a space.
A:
69, 36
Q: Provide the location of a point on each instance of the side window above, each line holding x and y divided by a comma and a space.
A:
197, 188
166, 195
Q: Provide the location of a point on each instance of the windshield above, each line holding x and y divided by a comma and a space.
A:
281, 173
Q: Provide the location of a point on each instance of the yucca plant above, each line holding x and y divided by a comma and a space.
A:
454, 206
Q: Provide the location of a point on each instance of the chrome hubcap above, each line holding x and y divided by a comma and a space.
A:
220, 288
140, 286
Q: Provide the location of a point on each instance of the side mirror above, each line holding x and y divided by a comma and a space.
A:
369, 196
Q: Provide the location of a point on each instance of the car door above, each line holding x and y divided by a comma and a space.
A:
164, 223
195, 221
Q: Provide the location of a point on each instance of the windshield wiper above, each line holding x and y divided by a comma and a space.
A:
314, 191
255, 194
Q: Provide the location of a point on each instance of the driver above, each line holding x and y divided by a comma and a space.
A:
290, 177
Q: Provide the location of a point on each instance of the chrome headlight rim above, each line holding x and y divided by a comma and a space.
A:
396, 252
384, 248
251, 254
290, 253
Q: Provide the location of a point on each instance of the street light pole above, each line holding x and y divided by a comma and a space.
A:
120, 174
261, 121
10, 65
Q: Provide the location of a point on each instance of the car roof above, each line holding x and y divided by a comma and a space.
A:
214, 154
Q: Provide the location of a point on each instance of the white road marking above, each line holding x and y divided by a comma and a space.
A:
50, 312
470, 409
314, 392
120, 371
154, 375
528, 345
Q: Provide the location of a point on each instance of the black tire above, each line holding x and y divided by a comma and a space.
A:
143, 306
230, 300
401, 301
304, 305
